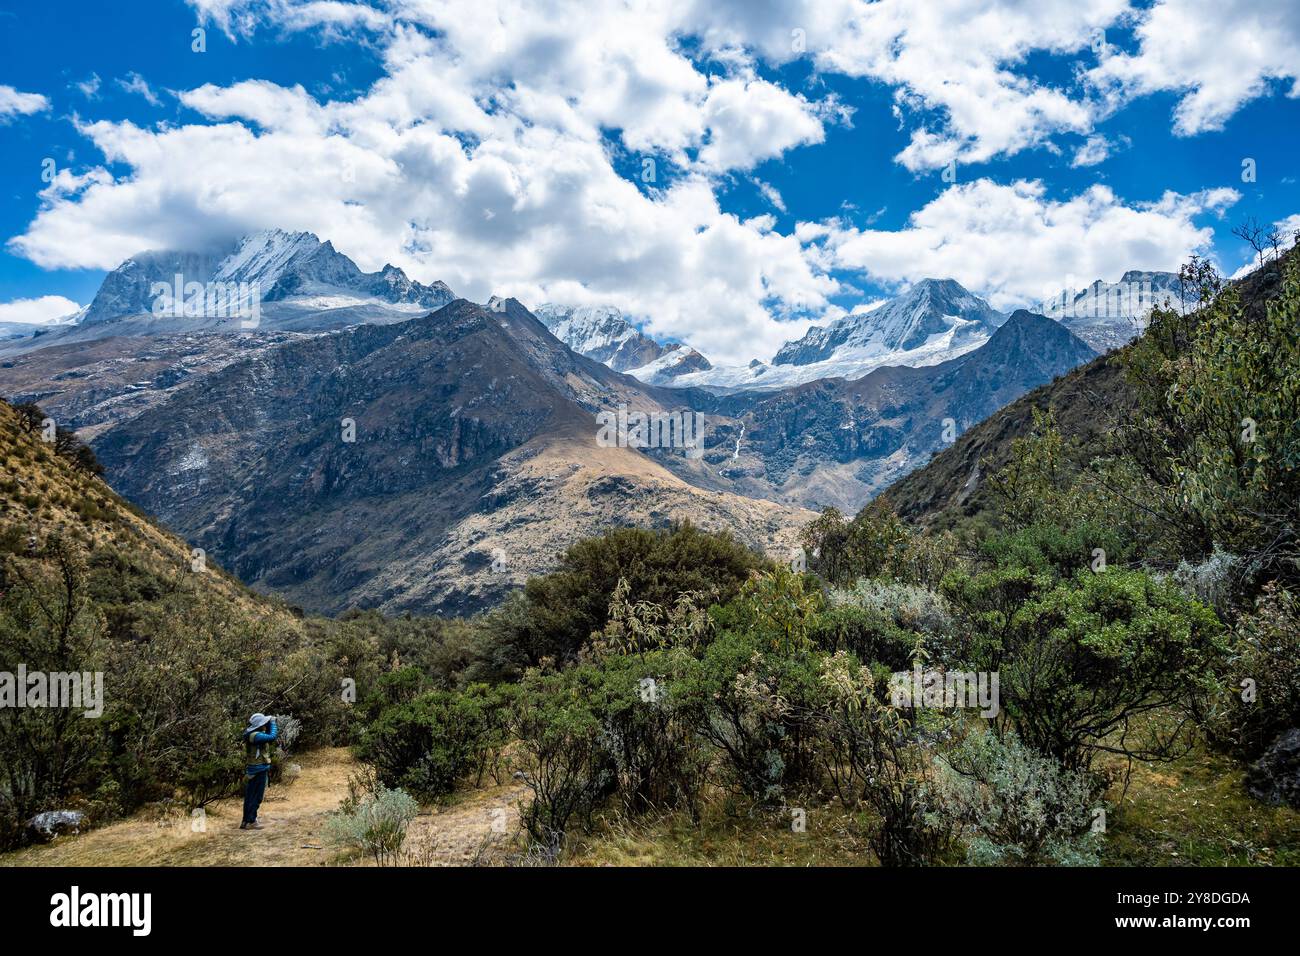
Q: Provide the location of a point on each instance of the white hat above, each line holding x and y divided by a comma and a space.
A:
257, 720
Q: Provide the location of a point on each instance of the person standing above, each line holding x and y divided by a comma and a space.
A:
257, 765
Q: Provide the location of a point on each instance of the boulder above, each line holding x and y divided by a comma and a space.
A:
51, 823
1275, 776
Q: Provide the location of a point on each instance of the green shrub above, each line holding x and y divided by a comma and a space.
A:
1262, 694
750, 696
872, 755
566, 607
647, 728
1081, 658
562, 758
873, 543
1048, 548
1018, 807
427, 744
884, 622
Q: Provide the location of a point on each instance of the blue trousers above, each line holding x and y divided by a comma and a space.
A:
254, 791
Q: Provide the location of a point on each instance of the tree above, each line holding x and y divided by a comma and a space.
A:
566, 607
875, 542
1255, 235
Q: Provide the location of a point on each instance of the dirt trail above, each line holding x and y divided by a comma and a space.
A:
294, 834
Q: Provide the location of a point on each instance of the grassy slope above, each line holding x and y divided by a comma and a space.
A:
42, 494
1087, 403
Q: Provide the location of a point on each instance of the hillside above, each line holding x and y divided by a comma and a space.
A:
1087, 403
473, 437
474, 462
180, 652
839, 442
44, 495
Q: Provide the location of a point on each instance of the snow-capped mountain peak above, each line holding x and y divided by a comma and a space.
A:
929, 309
677, 360
1106, 315
305, 276
600, 332
263, 257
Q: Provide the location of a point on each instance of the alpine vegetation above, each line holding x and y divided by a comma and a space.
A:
862, 434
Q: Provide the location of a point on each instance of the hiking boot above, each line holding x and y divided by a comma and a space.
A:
251, 826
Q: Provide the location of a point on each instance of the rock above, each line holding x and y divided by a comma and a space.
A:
1275, 777
51, 823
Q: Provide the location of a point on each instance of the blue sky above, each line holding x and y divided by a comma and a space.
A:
799, 151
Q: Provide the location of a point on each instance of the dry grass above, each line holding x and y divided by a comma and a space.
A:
294, 818
1190, 812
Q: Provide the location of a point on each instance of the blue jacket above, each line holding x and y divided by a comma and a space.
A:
257, 756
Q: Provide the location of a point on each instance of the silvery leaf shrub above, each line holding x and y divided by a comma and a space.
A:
1212, 582
376, 824
1017, 806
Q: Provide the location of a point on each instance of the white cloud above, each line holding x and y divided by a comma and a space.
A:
771, 194
1094, 150
953, 66
42, 311
15, 103
89, 87
1014, 245
135, 83
531, 210
752, 120
241, 17
1288, 227
485, 154
1218, 55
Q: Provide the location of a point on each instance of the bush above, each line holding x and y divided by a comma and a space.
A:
648, 731
566, 607
872, 755
1215, 582
751, 696
1081, 658
561, 757
375, 823
1048, 548
884, 622
428, 744
1019, 807
873, 544
1262, 696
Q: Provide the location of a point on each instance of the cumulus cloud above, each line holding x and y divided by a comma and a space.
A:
42, 311
485, 155
517, 208
1094, 150
953, 66
1013, 244
15, 103
1218, 56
